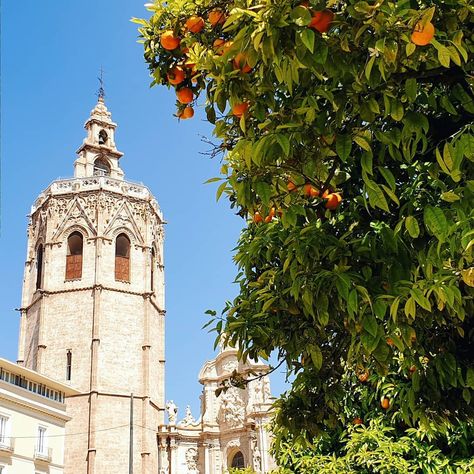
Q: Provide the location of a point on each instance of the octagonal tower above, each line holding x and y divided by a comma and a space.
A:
92, 312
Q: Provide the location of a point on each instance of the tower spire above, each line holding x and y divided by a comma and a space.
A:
101, 91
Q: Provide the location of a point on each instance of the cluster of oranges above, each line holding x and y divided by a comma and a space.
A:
181, 73
332, 200
258, 218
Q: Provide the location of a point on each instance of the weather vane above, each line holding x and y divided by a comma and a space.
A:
101, 91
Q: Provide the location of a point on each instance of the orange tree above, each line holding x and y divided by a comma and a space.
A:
347, 144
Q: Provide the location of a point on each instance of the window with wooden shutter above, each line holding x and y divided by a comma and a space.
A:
74, 256
122, 258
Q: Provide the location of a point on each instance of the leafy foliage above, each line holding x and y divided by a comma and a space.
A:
381, 284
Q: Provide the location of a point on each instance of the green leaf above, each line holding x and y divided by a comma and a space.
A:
449, 196
443, 56
343, 146
411, 89
376, 195
362, 142
301, 16
410, 308
410, 48
436, 222
284, 143
369, 66
220, 190
316, 356
370, 324
396, 110
470, 378
264, 191
307, 37
412, 227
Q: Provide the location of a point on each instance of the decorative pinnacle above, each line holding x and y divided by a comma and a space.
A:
101, 91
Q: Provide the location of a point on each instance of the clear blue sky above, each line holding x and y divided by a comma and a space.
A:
51, 53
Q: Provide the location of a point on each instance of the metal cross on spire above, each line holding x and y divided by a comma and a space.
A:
101, 91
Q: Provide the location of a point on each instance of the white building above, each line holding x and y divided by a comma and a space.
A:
32, 421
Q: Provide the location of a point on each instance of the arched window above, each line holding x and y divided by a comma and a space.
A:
122, 258
238, 460
103, 137
39, 266
74, 256
152, 276
101, 168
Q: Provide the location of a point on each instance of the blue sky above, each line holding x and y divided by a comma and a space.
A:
51, 53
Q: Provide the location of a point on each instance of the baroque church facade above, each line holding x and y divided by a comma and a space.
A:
93, 318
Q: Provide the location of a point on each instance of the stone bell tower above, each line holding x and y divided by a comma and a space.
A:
92, 312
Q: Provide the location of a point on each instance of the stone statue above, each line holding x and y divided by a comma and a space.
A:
188, 418
172, 410
191, 460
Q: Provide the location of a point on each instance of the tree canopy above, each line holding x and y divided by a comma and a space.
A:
345, 133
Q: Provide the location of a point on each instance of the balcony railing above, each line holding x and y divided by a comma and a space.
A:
44, 455
7, 445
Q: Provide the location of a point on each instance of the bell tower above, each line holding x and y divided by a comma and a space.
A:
92, 312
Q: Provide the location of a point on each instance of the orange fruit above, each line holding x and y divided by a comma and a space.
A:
227, 46
240, 62
270, 216
422, 35
385, 403
257, 217
363, 377
412, 369
216, 17
218, 45
185, 95
169, 41
389, 341
194, 24
333, 201
357, 421
310, 190
291, 186
240, 109
322, 20
186, 113
176, 75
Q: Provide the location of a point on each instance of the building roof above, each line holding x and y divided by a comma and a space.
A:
37, 377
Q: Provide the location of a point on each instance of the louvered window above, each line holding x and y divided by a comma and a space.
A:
122, 258
74, 256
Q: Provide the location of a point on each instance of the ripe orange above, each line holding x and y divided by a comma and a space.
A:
322, 20
169, 41
412, 369
176, 75
422, 35
385, 403
194, 24
216, 17
219, 45
185, 95
291, 186
363, 377
390, 342
240, 109
257, 217
357, 421
310, 190
270, 216
186, 113
333, 201
227, 46
240, 62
